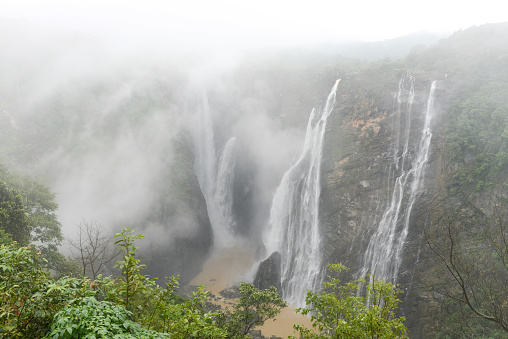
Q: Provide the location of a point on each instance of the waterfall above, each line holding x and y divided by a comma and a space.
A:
383, 255
215, 177
223, 196
406, 93
293, 228
204, 148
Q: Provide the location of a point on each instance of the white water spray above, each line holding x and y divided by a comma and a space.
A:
224, 187
384, 253
293, 228
215, 177
204, 162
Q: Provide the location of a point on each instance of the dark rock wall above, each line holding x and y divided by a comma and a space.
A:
268, 273
187, 236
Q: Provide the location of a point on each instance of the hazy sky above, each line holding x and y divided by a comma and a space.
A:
259, 22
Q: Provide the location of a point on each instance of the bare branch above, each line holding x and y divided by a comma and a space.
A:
94, 248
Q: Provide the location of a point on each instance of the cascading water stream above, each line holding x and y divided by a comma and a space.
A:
293, 229
223, 196
215, 177
405, 94
204, 162
382, 258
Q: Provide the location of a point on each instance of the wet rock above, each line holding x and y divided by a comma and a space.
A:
268, 273
256, 334
230, 292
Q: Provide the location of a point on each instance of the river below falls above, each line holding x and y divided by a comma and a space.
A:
229, 266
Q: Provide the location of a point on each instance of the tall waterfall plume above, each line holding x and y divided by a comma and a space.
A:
215, 176
293, 228
384, 253
204, 162
223, 195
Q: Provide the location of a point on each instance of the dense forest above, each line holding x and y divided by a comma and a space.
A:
103, 187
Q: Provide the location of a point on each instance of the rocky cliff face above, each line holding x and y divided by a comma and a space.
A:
183, 237
268, 273
356, 165
357, 170
359, 176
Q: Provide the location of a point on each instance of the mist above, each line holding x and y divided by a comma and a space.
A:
106, 100
101, 116
180, 121
100, 122
103, 94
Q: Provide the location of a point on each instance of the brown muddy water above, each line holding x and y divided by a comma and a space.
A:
229, 266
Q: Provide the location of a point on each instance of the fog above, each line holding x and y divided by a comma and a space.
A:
222, 23
102, 98
99, 124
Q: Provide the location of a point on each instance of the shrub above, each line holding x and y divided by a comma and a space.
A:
338, 311
29, 296
89, 319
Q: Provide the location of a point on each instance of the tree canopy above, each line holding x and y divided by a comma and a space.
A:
339, 312
13, 219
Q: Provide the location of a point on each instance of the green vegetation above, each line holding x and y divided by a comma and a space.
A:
36, 304
475, 105
477, 141
253, 308
132, 282
5, 238
13, 219
132, 305
338, 311
89, 318
29, 295
468, 279
28, 215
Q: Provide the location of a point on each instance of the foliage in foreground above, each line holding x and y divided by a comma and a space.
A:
253, 308
89, 319
337, 311
29, 295
33, 304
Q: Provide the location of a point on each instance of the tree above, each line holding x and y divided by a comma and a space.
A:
338, 311
187, 319
252, 308
40, 207
5, 238
469, 275
40, 215
13, 219
133, 283
93, 248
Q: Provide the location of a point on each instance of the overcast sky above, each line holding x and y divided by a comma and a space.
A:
259, 22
